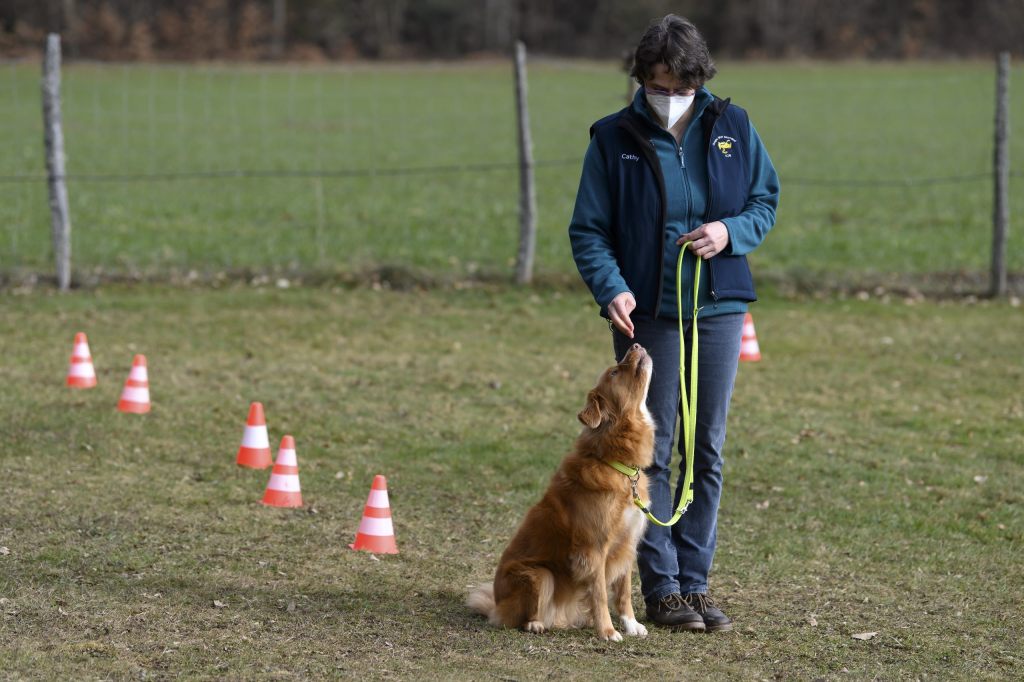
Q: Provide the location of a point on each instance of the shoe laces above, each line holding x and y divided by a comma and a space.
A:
699, 601
673, 602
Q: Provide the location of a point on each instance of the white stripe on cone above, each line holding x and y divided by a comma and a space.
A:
82, 369
374, 526
81, 350
255, 437
378, 498
138, 373
134, 394
286, 458
285, 483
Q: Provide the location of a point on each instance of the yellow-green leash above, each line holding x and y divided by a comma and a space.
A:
688, 399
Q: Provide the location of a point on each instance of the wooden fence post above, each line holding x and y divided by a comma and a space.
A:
1001, 168
527, 192
631, 85
53, 138
278, 24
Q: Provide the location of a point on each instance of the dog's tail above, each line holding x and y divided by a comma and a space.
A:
481, 600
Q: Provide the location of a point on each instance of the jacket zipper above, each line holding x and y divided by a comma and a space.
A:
689, 197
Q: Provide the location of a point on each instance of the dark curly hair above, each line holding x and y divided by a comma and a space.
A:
676, 43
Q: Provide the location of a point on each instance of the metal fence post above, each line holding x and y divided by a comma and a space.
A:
527, 192
53, 138
1001, 169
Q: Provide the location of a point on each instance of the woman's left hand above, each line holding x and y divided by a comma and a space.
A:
708, 240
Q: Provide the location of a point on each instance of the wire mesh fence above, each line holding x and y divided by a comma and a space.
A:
171, 169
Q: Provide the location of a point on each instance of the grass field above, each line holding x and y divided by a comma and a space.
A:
873, 484
874, 464
822, 122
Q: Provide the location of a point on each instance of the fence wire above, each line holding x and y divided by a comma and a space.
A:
177, 167
240, 174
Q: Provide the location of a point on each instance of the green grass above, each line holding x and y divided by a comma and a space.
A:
855, 121
851, 502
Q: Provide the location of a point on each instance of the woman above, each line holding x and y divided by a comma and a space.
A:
678, 165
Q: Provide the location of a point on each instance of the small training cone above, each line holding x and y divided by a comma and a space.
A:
283, 488
376, 534
255, 449
749, 350
81, 373
135, 396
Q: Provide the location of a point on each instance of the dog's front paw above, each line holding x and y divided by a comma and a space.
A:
633, 628
534, 626
611, 635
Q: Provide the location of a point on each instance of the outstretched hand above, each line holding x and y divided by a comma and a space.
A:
619, 310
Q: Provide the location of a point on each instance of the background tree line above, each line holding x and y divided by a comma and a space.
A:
353, 29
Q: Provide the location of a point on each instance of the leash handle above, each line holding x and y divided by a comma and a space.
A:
688, 399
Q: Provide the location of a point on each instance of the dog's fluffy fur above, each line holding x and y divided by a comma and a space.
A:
580, 539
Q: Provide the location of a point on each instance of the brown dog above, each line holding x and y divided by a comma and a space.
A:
581, 537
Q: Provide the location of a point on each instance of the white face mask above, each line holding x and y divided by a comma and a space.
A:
669, 108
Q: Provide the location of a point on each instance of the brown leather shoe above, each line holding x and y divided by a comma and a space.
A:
672, 611
703, 605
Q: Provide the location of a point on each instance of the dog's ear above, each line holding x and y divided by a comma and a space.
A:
594, 412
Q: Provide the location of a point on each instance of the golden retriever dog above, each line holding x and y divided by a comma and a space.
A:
580, 540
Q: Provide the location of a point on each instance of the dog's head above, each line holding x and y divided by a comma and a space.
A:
621, 390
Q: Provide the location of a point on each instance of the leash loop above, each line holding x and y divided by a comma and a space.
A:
687, 399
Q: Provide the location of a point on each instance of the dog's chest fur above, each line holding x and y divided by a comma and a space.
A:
634, 522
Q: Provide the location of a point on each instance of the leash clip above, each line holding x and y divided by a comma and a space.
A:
633, 481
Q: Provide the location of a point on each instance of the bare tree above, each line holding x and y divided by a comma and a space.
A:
120, 29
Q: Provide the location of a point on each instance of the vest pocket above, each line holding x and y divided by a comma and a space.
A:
731, 278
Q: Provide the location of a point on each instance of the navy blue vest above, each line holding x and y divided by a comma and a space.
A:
638, 199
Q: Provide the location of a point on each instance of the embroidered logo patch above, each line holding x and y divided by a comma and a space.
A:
630, 157
724, 143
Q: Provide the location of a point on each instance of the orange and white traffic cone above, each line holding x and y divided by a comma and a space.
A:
135, 396
749, 350
283, 488
81, 373
255, 449
376, 534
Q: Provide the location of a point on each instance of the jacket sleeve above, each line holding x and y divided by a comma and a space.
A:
590, 231
749, 228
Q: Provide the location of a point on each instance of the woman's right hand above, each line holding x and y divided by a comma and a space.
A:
619, 310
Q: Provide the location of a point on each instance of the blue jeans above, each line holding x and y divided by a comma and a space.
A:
678, 559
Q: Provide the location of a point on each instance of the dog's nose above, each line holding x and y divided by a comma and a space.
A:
636, 346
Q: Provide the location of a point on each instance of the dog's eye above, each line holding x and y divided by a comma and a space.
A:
614, 372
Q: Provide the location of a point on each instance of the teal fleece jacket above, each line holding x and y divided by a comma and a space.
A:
686, 189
